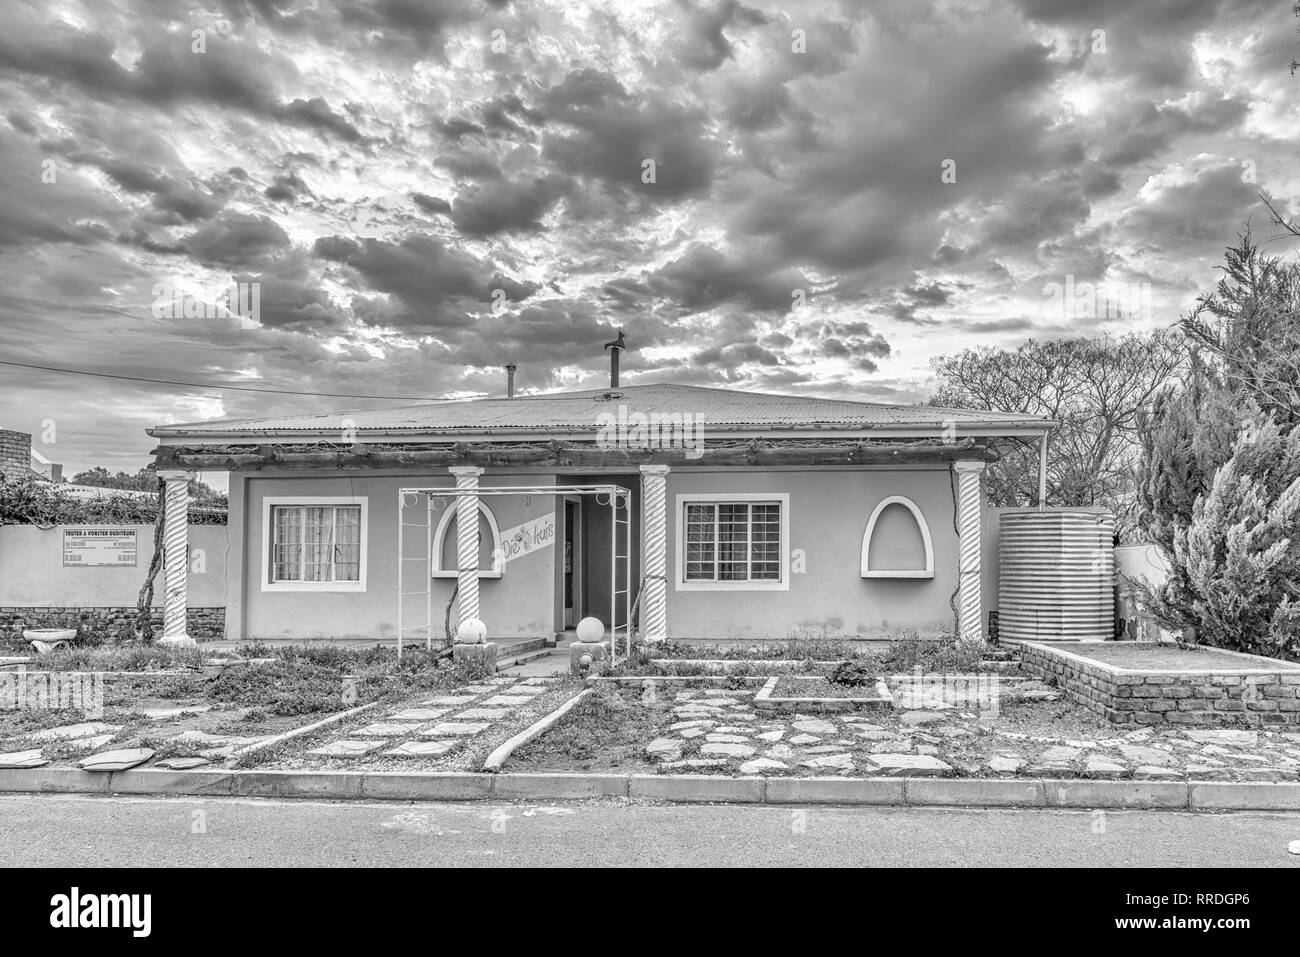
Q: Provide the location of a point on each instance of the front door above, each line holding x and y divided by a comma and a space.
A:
572, 561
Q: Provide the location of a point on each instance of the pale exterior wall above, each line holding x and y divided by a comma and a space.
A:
828, 515
519, 604
32, 573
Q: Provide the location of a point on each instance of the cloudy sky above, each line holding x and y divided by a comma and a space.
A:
809, 197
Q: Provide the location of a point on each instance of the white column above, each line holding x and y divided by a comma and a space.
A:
970, 616
654, 556
1042, 472
467, 543
176, 555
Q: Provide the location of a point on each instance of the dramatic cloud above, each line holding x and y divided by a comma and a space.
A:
812, 196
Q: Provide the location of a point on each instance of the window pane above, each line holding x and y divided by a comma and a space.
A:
316, 543
732, 542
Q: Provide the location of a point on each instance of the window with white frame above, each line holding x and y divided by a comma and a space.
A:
736, 542
315, 544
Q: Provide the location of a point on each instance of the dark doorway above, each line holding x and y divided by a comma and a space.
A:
572, 561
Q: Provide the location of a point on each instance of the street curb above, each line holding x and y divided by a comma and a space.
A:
677, 788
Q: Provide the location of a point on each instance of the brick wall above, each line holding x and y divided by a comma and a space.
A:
1190, 700
109, 623
15, 454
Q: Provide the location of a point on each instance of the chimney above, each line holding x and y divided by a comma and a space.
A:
15, 455
510, 380
615, 347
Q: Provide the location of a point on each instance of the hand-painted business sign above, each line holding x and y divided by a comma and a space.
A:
98, 545
521, 540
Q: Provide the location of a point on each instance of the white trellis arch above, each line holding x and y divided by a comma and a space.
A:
868, 571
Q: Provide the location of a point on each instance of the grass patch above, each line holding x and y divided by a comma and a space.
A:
18, 724
820, 688
602, 728
795, 648
133, 657
949, 656
310, 679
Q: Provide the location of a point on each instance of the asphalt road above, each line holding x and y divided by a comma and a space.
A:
79, 831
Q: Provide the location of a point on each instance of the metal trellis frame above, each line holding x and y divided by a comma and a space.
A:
616, 497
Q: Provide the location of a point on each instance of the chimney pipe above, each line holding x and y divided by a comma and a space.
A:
615, 347
510, 380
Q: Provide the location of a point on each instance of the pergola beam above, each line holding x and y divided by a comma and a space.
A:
554, 455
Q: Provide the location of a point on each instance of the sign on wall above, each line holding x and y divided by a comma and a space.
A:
98, 545
521, 540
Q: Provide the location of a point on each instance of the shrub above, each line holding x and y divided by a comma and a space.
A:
29, 502
854, 673
1236, 563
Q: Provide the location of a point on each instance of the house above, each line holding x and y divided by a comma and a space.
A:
715, 513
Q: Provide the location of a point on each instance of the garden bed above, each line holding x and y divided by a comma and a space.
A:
816, 695
214, 712
1153, 656
1159, 684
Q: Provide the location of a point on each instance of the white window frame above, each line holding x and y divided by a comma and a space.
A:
927, 571
440, 534
681, 500
309, 501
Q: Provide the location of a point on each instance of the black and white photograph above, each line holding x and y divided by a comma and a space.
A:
682, 434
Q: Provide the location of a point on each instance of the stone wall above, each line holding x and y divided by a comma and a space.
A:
1192, 699
107, 623
15, 454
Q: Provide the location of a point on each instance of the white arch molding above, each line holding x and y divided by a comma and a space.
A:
868, 572
440, 533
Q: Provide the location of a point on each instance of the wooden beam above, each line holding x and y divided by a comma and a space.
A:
556, 455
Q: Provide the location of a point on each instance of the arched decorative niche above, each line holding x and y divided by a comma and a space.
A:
917, 524
491, 568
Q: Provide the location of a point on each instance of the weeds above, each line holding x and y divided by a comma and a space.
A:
142, 658
907, 654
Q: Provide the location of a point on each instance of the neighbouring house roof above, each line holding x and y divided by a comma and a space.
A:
728, 411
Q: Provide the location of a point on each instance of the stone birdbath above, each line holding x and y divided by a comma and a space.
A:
45, 640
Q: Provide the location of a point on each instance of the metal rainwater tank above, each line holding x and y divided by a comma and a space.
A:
1056, 574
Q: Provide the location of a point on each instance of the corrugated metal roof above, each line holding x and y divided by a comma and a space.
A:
721, 409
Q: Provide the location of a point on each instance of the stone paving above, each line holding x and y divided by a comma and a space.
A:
435, 726
722, 732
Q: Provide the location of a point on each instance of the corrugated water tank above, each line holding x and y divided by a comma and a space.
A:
1056, 574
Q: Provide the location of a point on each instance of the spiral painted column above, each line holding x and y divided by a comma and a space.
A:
467, 541
176, 555
654, 604
970, 615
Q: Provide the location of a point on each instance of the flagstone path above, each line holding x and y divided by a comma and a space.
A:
438, 725
722, 732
